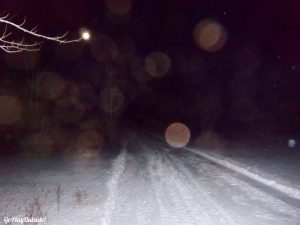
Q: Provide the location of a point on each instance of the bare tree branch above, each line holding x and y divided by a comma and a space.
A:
12, 46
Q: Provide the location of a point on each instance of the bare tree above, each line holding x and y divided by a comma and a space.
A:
12, 46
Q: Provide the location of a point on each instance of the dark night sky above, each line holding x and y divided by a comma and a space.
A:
251, 83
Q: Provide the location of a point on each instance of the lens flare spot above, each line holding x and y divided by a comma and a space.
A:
88, 153
292, 143
38, 145
209, 35
63, 139
11, 110
89, 138
138, 70
104, 49
177, 135
118, 7
208, 140
69, 110
111, 99
157, 64
50, 86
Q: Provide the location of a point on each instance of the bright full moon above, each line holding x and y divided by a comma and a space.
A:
86, 35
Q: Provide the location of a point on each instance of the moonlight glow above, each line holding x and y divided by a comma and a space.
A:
86, 35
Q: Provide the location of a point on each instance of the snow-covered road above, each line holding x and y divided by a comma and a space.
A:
146, 184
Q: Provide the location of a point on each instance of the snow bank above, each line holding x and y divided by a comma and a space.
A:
291, 192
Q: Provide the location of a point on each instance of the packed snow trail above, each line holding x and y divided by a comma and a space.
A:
147, 183
118, 167
166, 187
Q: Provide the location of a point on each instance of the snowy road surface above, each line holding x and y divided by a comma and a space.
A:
145, 184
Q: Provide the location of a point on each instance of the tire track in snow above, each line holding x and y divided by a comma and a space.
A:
163, 194
195, 189
118, 168
252, 202
199, 206
136, 203
269, 204
176, 203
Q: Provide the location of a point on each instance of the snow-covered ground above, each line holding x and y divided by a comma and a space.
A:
268, 156
145, 184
